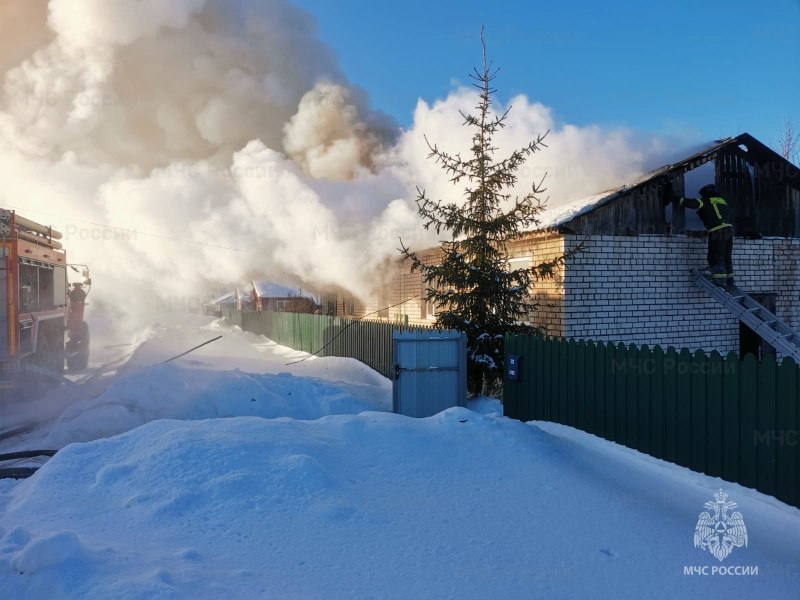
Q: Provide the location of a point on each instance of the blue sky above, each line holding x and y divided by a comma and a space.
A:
702, 69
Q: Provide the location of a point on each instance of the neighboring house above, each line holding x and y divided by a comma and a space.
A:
267, 295
631, 282
238, 298
214, 307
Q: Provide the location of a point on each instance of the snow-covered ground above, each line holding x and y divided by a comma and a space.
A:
230, 473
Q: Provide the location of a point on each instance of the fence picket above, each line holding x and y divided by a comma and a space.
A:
566, 357
657, 409
600, 368
580, 385
591, 387
788, 450
561, 396
683, 412
620, 375
714, 416
767, 426
549, 350
528, 408
609, 395
731, 427
699, 401
511, 389
643, 398
748, 421
630, 417
536, 410
671, 405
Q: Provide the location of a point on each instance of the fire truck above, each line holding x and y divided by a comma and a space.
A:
39, 308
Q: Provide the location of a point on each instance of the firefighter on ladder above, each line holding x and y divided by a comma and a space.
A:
713, 211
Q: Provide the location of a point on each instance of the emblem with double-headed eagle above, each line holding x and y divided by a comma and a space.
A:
718, 531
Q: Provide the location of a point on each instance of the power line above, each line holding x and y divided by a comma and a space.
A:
350, 325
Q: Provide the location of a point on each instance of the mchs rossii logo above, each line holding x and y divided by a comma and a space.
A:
719, 530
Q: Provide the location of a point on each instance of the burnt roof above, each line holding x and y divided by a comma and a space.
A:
562, 215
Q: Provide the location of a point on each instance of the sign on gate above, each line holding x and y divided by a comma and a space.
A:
430, 371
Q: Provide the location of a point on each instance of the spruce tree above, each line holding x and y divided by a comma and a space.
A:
473, 286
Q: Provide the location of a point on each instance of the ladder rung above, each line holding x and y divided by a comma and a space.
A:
736, 301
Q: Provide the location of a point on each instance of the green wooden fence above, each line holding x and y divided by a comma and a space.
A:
367, 341
726, 417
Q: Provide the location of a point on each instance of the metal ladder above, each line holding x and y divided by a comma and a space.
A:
769, 327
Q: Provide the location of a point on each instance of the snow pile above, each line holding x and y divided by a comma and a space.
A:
459, 505
167, 391
239, 374
230, 502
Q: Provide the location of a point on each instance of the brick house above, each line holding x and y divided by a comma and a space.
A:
631, 281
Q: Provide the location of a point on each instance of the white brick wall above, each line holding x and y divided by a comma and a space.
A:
547, 295
786, 274
636, 289
639, 290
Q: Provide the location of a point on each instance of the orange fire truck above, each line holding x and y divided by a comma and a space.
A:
38, 307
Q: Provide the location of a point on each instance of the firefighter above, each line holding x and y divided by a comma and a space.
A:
77, 298
713, 211
77, 295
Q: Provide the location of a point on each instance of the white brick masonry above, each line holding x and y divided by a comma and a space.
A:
639, 289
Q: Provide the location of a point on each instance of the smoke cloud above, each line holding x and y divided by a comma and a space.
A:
327, 137
186, 145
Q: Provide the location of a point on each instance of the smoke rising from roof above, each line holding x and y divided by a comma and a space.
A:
184, 144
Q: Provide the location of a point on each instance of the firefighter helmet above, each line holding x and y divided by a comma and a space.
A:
708, 190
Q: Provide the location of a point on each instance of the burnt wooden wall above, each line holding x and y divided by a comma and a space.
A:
636, 212
763, 192
736, 184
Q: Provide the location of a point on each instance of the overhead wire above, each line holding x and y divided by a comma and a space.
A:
349, 325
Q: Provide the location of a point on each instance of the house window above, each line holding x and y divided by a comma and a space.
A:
519, 262
429, 310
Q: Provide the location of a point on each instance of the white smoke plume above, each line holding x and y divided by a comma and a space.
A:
189, 144
327, 136
146, 83
576, 162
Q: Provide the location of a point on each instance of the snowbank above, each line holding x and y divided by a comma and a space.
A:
282, 498
375, 505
